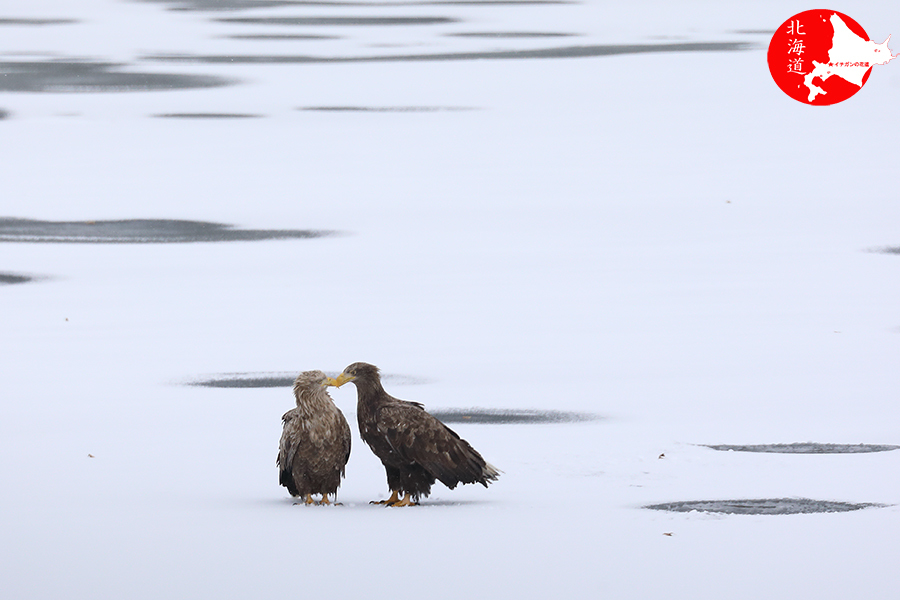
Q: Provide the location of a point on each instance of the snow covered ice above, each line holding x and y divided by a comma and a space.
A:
554, 217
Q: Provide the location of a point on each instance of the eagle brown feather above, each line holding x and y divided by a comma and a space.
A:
315, 442
415, 447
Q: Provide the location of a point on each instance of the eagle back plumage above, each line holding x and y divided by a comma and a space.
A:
315, 441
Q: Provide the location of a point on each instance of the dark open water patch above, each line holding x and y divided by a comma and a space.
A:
36, 22
488, 416
806, 448
382, 109
139, 231
565, 52
767, 506
207, 116
283, 37
510, 34
236, 5
10, 278
495, 2
221, 5
283, 379
510, 416
339, 21
59, 76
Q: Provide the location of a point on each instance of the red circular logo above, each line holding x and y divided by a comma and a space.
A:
823, 57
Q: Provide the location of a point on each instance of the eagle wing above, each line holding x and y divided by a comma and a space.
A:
346, 436
418, 437
294, 446
287, 450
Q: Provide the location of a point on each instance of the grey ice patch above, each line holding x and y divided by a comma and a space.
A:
3, 114
381, 109
10, 278
282, 37
236, 5
806, 448
496, 2
339, 21
207, 116
768, 506
246, 380
562, 52
510, 34
887, 250
63, 76
283, 379
139, 231
506, 416
36, 22
221, 5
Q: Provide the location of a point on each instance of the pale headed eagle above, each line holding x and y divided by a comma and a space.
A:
315, 443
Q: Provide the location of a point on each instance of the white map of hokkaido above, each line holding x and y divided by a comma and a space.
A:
847, 48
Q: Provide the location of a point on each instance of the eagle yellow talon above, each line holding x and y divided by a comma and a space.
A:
406, 501
395, 497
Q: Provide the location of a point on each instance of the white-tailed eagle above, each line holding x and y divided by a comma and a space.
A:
315, 443
415, 448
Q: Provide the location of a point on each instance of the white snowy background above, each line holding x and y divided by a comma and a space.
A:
665, 240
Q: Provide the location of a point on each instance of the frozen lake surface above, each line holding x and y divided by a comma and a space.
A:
657, 293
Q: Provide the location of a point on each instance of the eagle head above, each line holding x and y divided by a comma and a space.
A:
310, 380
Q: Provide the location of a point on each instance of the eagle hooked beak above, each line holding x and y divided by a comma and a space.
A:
340, 380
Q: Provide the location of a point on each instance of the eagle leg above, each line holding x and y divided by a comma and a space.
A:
324, 500
395, 497
308, 499
406, 501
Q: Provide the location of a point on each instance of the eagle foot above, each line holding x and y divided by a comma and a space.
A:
395, 497
308, 499
406, 501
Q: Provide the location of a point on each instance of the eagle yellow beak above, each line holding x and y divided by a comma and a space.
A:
340, 380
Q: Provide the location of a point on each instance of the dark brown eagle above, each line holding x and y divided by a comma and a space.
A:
414, 447
315, 444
